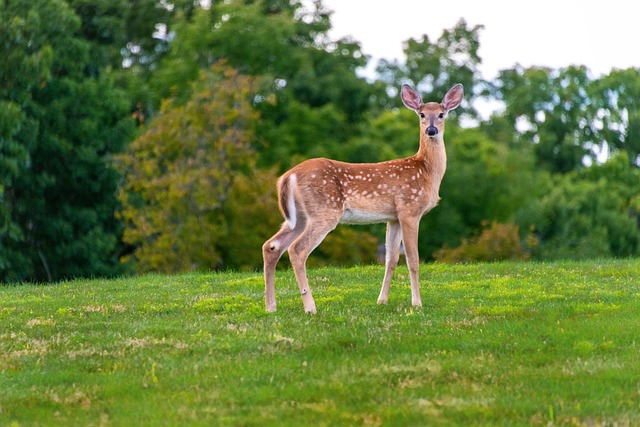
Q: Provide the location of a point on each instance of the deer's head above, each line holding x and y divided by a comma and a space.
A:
432, 114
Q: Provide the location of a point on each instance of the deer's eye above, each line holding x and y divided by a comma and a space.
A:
441, 115
422, 116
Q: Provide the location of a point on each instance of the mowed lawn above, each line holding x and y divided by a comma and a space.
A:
495, 344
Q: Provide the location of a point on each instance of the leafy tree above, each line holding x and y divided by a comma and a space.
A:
310, 99
385, 136
184, 179
62, 118
537, 113
616, 112
588, 214
103, 24
570, 118
251, 216
24, 66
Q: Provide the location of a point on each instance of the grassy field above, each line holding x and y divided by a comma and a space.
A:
495, 344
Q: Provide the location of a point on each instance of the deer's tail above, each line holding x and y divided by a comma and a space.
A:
286, 194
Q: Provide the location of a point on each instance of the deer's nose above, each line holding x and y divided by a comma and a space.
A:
432, 131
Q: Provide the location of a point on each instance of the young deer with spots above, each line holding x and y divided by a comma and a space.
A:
318, 194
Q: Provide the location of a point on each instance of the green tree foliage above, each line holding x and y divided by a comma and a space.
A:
496, 242
570, 118
388, 135
551, 109
347, 246
311, 98
190, 186
23, 68
587, 214
60, 120
616, 103
251, 215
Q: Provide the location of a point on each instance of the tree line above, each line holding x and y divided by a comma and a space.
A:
142, 136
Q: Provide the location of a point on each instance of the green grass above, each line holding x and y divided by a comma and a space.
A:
495, 344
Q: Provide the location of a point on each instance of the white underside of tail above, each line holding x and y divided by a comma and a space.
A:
291, 203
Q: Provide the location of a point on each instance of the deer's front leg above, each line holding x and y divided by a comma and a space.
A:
410, 238
392, 253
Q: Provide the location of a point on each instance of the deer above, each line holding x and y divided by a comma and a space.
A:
318, 194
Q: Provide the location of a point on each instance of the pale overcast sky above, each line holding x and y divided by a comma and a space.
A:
556, 33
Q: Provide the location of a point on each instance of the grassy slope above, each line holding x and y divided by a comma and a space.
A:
508, 343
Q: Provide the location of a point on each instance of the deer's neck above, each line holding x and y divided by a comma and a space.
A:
432, 152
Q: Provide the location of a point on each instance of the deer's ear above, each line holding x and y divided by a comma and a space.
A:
410, 98
453, 98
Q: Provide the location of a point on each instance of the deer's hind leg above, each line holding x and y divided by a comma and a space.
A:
313, 234
272, 250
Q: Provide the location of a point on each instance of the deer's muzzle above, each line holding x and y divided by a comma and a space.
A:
432, 131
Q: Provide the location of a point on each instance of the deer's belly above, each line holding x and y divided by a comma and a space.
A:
358, 216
